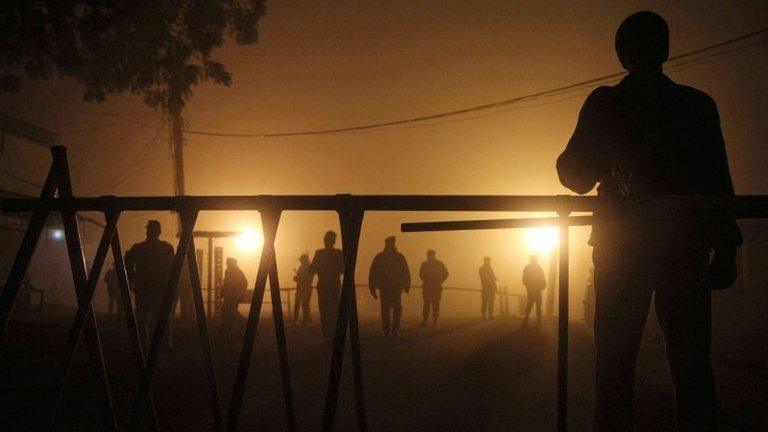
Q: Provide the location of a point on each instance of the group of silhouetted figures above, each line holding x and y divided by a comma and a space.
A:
388, 278
148, 265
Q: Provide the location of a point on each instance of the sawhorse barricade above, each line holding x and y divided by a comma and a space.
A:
351, 210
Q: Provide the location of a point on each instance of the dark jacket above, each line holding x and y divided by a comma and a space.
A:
389, 272
433, 273
487, 277
148, 265
235, 285
328, 265
533, 277
303, 278
636, 140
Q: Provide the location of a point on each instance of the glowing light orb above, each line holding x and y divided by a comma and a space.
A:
57, 234
541, 240
250, 240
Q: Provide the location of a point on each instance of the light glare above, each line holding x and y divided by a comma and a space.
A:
541, 240
250, 240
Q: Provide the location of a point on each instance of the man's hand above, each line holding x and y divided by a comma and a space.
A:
722, 270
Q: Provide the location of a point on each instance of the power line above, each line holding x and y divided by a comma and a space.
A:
133, 166
551, 92
21, 179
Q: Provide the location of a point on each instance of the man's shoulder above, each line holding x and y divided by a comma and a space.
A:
601, 95
693, 97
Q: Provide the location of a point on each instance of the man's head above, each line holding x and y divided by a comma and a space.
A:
153, 229
642, 42
389, 242
430, 254
487, 260
534, 259
304, 258
231, 263
329, 239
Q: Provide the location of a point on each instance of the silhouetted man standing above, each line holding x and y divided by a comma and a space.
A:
328, 265
148, 265
432, 273
649, 136
534, 282
233, 290
390, 276
303, 280
113, 291
488, 288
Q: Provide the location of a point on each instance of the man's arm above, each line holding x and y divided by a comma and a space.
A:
313, 265
584, 162
723, 234
373, 276
406, 274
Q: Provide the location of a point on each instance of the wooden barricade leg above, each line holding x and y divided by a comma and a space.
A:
84, 310
24, 256
205, 338
130, 320
188, 219
351, 223
282, 350
77, 262
270, 219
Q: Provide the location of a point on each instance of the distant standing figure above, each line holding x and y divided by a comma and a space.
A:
535, 283
110, 279
390, 276
432, 273
488, 284
148, 265
233, 290
303, 280
328, 265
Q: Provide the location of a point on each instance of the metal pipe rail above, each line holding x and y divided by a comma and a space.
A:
742, 206
350, 208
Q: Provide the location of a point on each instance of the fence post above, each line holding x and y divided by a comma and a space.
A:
562, 330
270, 219
205, 339
351, 219
188, 218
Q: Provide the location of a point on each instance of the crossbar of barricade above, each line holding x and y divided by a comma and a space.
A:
350, 209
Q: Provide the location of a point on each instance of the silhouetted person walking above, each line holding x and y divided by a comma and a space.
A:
534, 282
233, 291
650, 136
432, 273
488, 288
390, 276
148, 265
303, 280
328, 265
113, 292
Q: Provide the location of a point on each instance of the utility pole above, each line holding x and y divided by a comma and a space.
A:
177, 149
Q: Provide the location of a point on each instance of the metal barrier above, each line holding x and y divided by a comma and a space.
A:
350, 210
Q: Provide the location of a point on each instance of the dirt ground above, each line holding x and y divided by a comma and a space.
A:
463, 374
